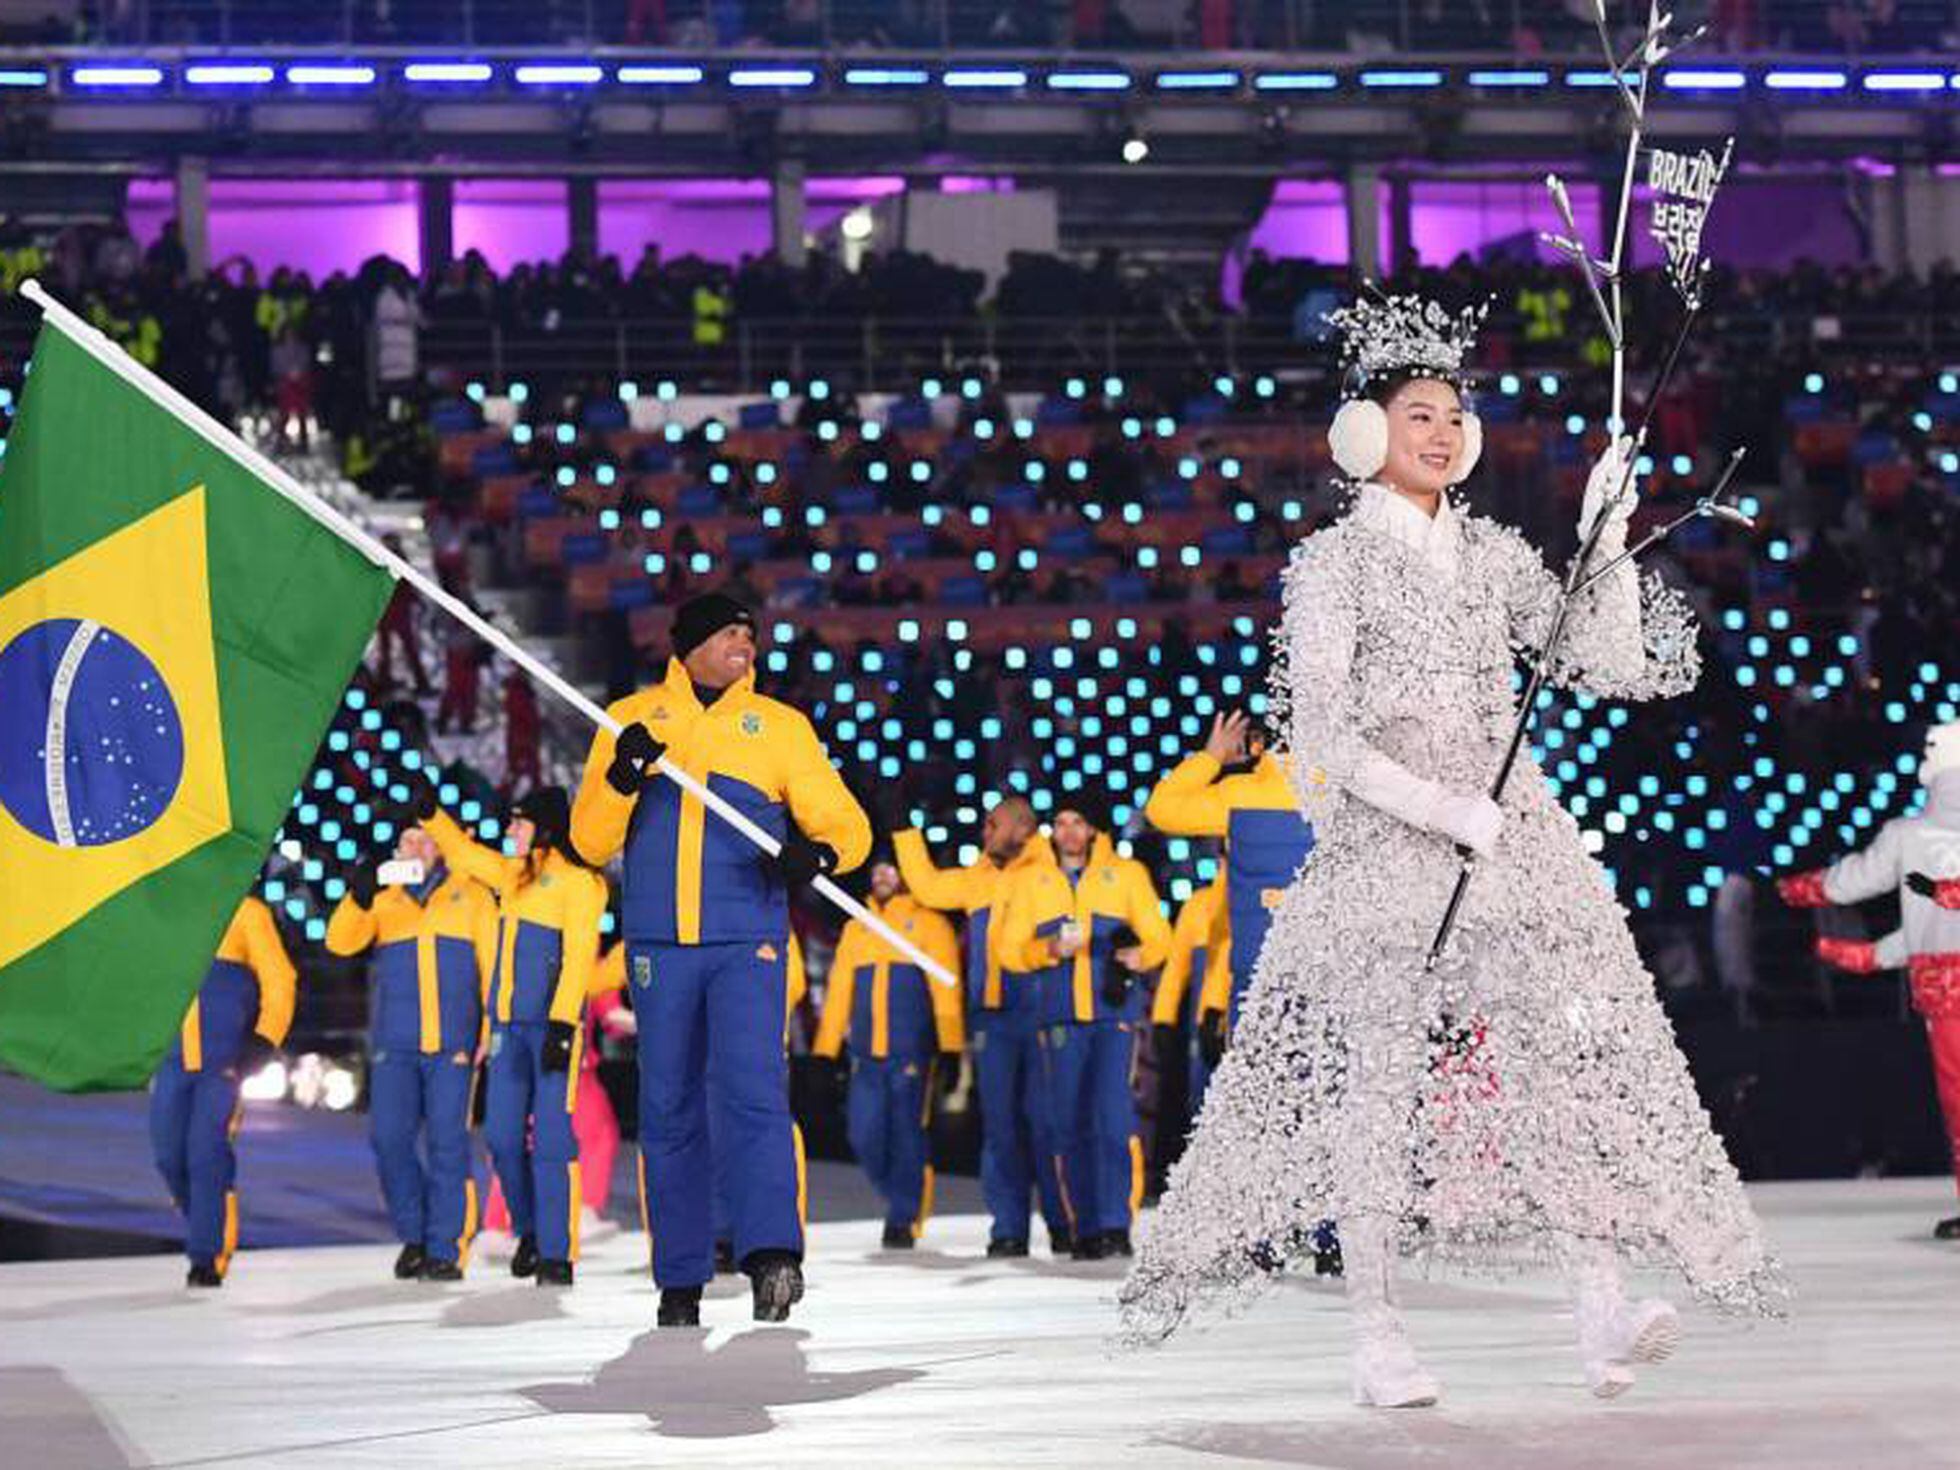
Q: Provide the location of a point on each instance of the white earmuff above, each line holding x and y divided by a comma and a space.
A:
1472, 451
1358, 438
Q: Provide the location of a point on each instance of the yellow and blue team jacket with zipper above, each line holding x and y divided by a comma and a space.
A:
1182, 985
691, 878
1110, 893
547, 936
973, 890
434, 946
886, 1003
1267, 837
251, 986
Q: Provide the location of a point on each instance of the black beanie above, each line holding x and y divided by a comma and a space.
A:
549, 810
1091, 806
700, 618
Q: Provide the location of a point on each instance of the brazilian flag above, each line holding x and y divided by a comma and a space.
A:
174, 637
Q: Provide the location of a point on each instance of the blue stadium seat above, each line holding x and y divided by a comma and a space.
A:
764, 415
493, 459
603, 415
584, 549
455, 416
698, 500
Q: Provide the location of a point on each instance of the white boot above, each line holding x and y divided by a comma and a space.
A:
1386, 1373
1614, 1334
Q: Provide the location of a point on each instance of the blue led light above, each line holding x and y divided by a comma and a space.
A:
971, 77
330, 76
772, 76
107, 75
1805, 81
1401, 79
1088, 81
1904, 81
1703, 80
1197, 81
886, 76
1526, 78
228, 74
1296, 81
448, 71
660, 76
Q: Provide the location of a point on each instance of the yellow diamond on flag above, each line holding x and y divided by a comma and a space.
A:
112, 760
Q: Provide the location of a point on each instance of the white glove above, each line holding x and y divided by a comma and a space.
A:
1473, 820
1604, 481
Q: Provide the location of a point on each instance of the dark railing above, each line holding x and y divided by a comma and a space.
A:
890, 354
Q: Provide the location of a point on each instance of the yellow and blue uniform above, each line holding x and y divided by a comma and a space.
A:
545, 955
1088, 1044
433, 950
194, 1099
1266, 840
706, 924
1199, 960
899, 1022
1016, 1154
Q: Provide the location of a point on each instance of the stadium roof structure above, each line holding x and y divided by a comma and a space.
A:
622, 112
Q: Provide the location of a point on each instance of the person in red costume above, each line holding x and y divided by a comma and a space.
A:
1920, 857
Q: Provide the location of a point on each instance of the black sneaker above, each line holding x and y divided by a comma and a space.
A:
776, 1279
1117, 1243
1009, 1249
680, 1306
1947, 1229
408, 1265
434, 1268
554, 1273
1090, 1248
524, 1262
898, 1238
203, 1273
1061, 1243
724, 1258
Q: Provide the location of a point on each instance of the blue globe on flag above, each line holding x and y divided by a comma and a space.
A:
91, 745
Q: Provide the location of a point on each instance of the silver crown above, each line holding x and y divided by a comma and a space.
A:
1394, 334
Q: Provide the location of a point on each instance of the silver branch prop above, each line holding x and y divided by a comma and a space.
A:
1683, 188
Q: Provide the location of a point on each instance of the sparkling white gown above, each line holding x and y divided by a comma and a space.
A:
1524, 1102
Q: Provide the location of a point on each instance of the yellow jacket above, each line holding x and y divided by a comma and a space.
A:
548, 916
1267, 836
690, 878
974, 891
1111, 892
251, 987
885, 1001
1198, 923
434, 949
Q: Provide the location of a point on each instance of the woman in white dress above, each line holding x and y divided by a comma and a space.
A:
1524, 1101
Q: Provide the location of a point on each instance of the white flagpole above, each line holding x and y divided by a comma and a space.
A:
119, 362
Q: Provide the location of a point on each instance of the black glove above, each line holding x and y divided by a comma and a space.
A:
1211, 1037
801, 860
1163, 1036
886, 808
559, 1039
254, 1054
634, 756
946, 1069
1116, 977
1921, 884
421, 803
362, 885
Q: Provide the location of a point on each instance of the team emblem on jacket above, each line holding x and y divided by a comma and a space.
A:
751, 723
642, 970
766, 952
461, 1059
496, 1043
659, 713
